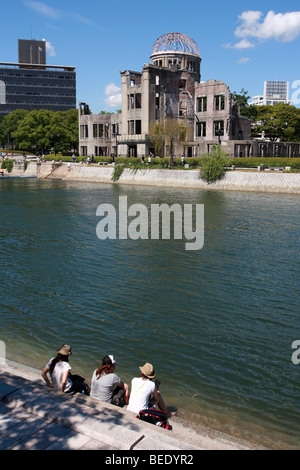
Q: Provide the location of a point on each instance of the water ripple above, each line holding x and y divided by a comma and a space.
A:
218, 324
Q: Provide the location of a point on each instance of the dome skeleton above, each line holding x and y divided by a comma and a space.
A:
175, 42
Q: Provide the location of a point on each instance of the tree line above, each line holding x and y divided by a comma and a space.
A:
40, 131
280, 121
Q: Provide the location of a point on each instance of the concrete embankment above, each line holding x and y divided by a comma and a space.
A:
32, 416
237, 180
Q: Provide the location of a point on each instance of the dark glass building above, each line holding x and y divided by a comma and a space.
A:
30, 85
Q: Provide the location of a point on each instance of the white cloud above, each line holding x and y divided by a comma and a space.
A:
50, 49
243, 60
243, 44
114, 96
55, 14
249, 21
282, 27
44, 9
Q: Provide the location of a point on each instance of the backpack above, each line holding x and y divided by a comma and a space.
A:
153, 416
79, 385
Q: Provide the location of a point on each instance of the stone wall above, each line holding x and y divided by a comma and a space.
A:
264, 181
253, 180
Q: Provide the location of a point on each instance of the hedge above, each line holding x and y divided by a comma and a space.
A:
193, 162
254, 162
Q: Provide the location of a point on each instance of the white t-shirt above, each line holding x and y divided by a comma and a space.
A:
140, 393
57, 375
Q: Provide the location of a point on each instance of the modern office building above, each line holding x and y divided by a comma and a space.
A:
32, 84
274, 92
167, 88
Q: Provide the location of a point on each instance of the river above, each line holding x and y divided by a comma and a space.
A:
218, 323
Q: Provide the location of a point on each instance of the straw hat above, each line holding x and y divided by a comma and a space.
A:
65, 350
147, 370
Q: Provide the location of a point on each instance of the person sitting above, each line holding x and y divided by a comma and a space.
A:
59, 370
107, 386
145, 393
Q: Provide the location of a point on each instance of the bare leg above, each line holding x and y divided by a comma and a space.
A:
126, 396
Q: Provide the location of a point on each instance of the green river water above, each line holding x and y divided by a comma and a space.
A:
218, 324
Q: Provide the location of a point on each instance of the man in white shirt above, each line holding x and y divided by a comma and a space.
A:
142, 389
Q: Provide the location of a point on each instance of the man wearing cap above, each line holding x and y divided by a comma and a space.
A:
142, 389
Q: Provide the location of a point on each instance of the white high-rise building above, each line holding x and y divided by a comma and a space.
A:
274, 92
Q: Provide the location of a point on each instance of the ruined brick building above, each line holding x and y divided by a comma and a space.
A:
170, 87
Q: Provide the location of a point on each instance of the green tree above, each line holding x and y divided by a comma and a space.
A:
157, 137
168, 132
281, 121
249, 111
33, 132
39, 130
241, 99
64, 130
9, 125
213, 165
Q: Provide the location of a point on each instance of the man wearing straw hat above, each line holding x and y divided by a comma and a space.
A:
142, 389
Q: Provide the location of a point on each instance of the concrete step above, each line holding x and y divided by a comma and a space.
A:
103, 423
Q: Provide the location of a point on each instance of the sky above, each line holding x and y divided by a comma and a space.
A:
242, 43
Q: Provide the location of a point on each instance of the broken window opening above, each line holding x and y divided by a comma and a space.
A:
219, 128
219, 102
202, 104
131, 127
95, 131
201, 129
131, 101
138, 100
138, 126
157, 101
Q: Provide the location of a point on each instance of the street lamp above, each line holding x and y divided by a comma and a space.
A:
116, 134
219, 133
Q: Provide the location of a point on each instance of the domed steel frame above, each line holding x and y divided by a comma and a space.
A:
175, 42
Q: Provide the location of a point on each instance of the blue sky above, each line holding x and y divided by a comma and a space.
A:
241, 43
